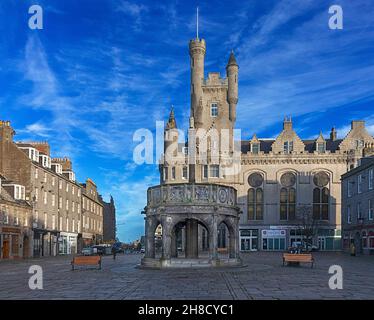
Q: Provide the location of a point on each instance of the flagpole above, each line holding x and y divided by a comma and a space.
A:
197, 22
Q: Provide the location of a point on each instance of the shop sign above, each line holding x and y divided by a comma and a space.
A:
273, 233
11, 230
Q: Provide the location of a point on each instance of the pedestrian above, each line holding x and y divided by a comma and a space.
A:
114, 252
353, 250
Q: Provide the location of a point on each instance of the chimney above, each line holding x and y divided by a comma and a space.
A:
359, 124
333, 134
287, 124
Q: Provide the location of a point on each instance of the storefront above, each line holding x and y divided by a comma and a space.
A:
88, 239
329, 239
67, 243
370, 242
273, 240
248, 240
11, 241
38, 242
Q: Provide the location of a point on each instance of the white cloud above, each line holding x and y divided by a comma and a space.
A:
137, 11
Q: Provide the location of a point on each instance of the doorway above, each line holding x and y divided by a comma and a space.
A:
248, 240
6, 245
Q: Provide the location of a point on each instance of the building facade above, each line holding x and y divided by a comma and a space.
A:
15, 219
51, 189
109, 223
92, 223
358, 207
285, 186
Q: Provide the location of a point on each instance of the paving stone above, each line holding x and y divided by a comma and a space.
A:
263, 277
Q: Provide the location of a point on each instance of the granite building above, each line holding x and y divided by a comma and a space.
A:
358, 207
109, 223
50, 188
15, 220
276, 179
92, 218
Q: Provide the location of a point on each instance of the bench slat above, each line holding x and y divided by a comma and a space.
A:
303, 257
86, 260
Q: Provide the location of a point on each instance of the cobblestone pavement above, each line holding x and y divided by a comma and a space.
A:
262, 277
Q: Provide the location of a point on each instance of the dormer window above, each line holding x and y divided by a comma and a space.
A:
56, 167
70, 175
45, 161
255, 148
288, 146
17, 191
32, 153
214, 110
321, 147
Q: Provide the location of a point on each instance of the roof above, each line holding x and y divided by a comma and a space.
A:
232, 60
310, 145
365, 164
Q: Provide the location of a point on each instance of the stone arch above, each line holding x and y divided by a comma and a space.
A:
152, 222
233, 235
182, 222
282, 171
328, 171
247, 173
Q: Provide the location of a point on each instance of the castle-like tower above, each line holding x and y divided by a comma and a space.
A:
214, 99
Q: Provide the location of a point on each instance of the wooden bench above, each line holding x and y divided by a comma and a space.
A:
86, 261
298, 257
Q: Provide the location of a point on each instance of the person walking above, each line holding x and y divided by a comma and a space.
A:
353, 250
114, 252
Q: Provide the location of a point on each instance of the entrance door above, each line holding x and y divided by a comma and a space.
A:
6, 246
25, 247
249, 240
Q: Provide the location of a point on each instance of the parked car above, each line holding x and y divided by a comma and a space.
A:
103, 250
87, 251
301, 246
142, 250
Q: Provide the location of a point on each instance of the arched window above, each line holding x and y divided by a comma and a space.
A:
255, 197
321, 196
288, 197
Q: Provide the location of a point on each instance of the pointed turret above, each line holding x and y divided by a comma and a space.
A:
171, 137
232, 60
171, 124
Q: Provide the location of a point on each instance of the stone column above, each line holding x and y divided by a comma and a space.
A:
166, 238
192, 249
150, 238
234, 240
213, 239
174, 249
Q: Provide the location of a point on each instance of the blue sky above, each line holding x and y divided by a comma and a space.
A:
101, 69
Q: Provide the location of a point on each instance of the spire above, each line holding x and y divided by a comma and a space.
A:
197, 23
172, 124
232, 60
